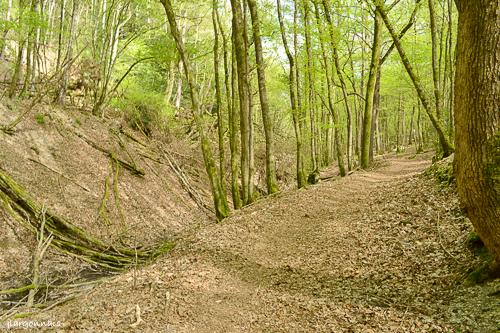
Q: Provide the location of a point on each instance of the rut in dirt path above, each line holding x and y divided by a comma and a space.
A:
365, 253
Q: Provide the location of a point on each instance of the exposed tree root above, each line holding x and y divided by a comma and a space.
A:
68, 238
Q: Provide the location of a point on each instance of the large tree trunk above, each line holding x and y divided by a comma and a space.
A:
272, 186
477, 117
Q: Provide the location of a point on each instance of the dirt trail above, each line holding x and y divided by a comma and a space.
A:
378, 251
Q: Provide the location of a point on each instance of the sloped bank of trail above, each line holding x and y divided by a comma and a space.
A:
378, 251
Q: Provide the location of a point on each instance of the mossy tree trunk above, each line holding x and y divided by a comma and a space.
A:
220, 201
231, 100
218, 103
370, 91
243, 93
477, 117
272, 185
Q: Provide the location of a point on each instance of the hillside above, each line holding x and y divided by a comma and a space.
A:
379, 251
68, 162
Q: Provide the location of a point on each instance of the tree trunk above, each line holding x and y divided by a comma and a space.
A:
445, 143
231, 98
329, 86
243, 93
420, 145
477, 117
6, 31
60, 34
435, 67
218, 103
301, 178
370, 91
342, 82
220, 202
61, 96
311, 93
272, 186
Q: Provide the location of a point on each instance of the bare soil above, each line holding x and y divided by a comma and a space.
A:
377, 251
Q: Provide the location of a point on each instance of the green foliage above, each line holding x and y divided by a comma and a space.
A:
144, 110
442, 171
483, 271
40, 118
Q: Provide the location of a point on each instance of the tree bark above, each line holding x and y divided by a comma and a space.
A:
342, 82
243, 93
435, 67
445, 143
231, 96
218, 103
311, 93
301, 178
331, 107
220, 202
477, 117
272, 186
370, 91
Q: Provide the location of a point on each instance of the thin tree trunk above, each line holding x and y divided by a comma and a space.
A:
329, 85
370, 91
446, 145
435, 68
272, 186
243, 92
410, 137
220, 202
301, 178
420, 147
298, 85
235, 120
60, 34
310, 88
231, 98
342, 82
69, 55
6, 31
218, 102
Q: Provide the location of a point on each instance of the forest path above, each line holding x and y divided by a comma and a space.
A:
359, 254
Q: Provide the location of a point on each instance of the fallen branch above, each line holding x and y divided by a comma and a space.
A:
134, 169
184, 182
68, 238
43, 244
60, 174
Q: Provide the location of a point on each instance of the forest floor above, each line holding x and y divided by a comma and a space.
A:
379, 251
